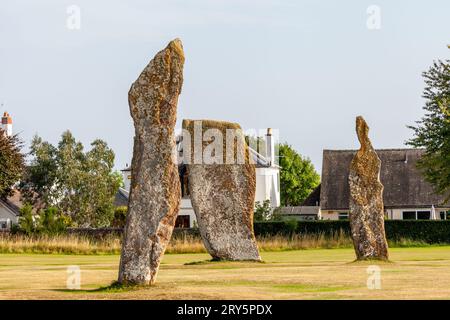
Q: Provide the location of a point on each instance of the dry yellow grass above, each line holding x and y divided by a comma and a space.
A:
182, 244
414, 273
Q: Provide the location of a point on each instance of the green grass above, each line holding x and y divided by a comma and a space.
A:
414, 273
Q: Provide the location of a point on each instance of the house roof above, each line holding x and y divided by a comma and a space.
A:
260, 161
121, 198
300, 210
13, 203
314, 198
404, 185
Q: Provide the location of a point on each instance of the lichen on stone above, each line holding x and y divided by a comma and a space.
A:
155, 188
223, 198
366, 199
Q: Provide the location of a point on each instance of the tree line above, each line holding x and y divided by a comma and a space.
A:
62, 184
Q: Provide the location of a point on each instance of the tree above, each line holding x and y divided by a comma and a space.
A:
99, 185
298, 178
81, 185
40, 177
27, 224
262, 211
11, 163
52, 222
120, 217
432, 132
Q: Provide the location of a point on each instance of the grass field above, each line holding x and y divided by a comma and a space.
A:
414, 273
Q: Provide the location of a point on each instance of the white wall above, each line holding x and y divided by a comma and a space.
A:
397, 214
126, 175
6, 215
268, 186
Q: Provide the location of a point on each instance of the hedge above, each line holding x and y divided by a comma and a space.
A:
421, 230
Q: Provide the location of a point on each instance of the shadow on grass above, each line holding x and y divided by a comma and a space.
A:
114, 287
212, 261
371, 261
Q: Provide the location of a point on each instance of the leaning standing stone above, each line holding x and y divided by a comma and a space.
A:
155, 187
366, 200
222, 186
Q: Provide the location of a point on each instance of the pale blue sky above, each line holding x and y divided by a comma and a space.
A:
306, 68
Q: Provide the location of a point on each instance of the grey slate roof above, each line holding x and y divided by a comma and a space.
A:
13, 202
300, 210
121, 199
14, 209
314, 198
404, 185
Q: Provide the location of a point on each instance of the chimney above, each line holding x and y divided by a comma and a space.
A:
270, 147
6, 124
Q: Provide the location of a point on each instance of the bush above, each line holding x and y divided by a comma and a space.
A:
262, 211
27, 223
49, 221
428, 231
120, 217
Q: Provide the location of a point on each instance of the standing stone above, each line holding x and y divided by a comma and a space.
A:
222, 194
155, 187
366, 200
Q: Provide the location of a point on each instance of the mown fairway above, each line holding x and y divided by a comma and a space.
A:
414, 273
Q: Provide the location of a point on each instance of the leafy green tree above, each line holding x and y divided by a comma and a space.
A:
51, 222
82, 185
432, 132
11, 163
99, 184
298, 178
40, 177
27, 224
262, 211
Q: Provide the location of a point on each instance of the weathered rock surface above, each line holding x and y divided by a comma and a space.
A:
155, 187
366, 200
223, 196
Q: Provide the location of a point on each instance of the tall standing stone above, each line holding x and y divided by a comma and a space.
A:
366, 200
222, 191
155, 187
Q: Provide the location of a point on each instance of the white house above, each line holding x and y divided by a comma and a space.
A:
267, 182
406, 195
9, 213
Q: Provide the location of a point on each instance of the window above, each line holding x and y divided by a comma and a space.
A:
182, 221
3, 224
409, 215
343, 215
417, 215
423, 215
445, 215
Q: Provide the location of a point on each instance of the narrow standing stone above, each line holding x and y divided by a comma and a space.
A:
222, 195
366, 200
155, 187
